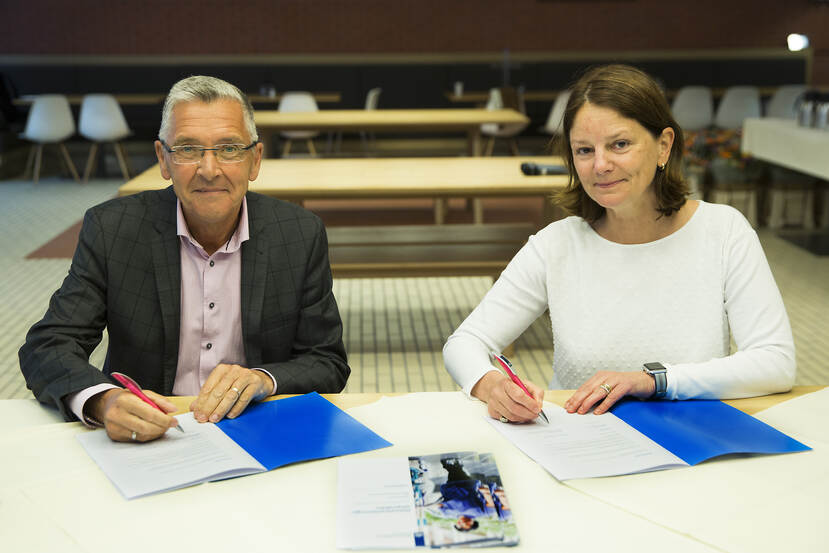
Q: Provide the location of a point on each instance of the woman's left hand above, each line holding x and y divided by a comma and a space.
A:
605, 388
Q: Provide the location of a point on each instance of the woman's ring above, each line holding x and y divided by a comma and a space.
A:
607, 388
133, 436
503, 419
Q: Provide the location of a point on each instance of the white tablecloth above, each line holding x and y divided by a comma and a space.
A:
783, 142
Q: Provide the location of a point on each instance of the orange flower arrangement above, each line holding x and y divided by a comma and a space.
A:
702, 147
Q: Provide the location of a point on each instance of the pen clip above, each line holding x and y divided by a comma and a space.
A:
126, 380
502, 360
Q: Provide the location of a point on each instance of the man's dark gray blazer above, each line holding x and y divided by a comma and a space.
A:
126, 276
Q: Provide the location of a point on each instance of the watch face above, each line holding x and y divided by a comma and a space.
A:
654, 367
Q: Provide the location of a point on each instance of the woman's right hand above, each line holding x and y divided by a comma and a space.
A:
505, 399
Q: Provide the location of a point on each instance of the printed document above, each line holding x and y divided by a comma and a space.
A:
266, 436
641, 436
177, 460
586, 446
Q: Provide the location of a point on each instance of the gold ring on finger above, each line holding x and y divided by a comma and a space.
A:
607, 388
134, 436
503, 419
235, 389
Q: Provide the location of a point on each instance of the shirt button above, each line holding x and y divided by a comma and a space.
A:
211, 305
212, 262
209, 345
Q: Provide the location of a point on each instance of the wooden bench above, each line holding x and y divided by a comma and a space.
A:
425, 250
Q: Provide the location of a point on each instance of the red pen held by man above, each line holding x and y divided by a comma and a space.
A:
133, 387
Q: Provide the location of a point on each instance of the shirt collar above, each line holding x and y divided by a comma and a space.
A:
240, 235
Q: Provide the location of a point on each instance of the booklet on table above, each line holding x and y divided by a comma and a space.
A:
442, 500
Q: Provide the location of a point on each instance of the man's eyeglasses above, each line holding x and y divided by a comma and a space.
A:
190, 154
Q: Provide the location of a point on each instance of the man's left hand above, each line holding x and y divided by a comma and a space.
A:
228, 391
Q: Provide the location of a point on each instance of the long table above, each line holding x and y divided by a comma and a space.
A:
445, 177
54, 498
468, 121
155, 99
481, 96
783, 142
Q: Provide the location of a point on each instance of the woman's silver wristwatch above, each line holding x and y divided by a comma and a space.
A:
657, 371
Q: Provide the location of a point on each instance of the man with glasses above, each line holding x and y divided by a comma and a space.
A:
205, 288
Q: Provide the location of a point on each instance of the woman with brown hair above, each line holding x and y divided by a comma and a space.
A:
644, 287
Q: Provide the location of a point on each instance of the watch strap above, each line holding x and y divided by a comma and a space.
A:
658, 372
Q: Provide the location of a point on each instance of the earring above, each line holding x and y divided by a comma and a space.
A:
662, 167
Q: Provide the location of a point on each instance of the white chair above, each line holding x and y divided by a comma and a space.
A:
372, 101
783, 103
554, 120
503, 98
298, 102
737, 104
693, 108
50, 122
101, 120
373, 98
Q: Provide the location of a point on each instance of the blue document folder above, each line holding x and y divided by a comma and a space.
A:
266, 436
301, 428
697, 430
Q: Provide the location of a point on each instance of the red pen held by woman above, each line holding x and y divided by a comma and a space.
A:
507, 366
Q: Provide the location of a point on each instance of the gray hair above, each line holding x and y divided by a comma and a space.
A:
204, 89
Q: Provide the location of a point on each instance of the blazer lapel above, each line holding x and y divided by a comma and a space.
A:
254, 272
167, 269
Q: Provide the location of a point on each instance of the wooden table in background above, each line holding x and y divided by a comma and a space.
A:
468, 121
320, 97
359, 178
157, 99
123, 99
481, 96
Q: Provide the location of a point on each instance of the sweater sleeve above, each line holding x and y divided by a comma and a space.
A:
764, 362
516, 299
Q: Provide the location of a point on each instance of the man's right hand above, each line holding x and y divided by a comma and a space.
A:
123, 413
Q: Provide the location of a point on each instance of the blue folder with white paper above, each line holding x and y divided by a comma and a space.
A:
267, 435
302, 428
697, 430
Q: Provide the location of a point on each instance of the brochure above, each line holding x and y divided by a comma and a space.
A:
441, 500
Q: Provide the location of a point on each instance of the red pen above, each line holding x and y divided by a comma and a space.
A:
505, 363
133, 387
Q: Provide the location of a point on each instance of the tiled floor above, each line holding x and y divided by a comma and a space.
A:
394, 328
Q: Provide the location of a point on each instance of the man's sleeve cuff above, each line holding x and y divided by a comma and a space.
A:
273, 380
76, 402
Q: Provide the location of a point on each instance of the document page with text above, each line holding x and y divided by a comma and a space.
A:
177, 460
587, 446
375, 507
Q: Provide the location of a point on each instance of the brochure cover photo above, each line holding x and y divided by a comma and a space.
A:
460, 501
